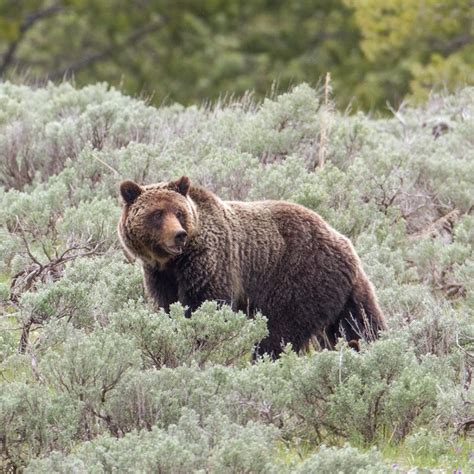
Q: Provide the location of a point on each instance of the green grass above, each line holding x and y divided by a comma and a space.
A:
426, 452
443, 453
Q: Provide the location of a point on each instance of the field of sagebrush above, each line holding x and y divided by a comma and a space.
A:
93, 380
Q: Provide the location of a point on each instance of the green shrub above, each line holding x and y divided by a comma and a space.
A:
193, 445
212, 335
383, 391
33, 422
347, 460
95, 379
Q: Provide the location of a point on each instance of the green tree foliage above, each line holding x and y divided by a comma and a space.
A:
190, 51
415, 46
92, 378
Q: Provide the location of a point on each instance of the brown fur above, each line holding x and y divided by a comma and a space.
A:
274, 257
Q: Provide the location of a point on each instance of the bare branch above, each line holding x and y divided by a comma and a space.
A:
106, 165
27, 247
396, 114
324, 132
133, 38
28, 22
29, 277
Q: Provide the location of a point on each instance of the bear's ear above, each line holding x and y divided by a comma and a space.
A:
130, 191
182, 185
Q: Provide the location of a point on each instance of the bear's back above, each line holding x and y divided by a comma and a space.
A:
278, 240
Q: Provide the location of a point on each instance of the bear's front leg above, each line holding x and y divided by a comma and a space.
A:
161, 286
193, 298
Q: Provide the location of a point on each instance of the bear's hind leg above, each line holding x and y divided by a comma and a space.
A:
271, 345
361, 318
278, 338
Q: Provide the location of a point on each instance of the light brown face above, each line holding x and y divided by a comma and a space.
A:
156, 222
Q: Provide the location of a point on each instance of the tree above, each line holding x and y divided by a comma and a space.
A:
191, 51
415, 46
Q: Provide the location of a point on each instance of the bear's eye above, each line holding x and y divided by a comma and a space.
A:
179, 215
156, 217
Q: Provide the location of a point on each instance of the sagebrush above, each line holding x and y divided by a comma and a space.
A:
94, 379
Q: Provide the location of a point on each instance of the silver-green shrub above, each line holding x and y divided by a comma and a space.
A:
94, 379
192, 445
213, 335
347, 460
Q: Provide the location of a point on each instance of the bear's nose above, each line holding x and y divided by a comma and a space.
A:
180, 237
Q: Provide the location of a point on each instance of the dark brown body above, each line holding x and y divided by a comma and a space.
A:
274, 257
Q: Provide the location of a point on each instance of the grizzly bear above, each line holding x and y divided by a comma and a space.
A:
277, 258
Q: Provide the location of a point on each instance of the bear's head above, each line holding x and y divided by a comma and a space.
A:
158, 220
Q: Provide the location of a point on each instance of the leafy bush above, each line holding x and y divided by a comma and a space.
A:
94, 378
214, 445
212, 335
33, 423
384, 391
347, 460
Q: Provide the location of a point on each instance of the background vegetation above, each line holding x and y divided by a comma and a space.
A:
189, 51
92, 379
